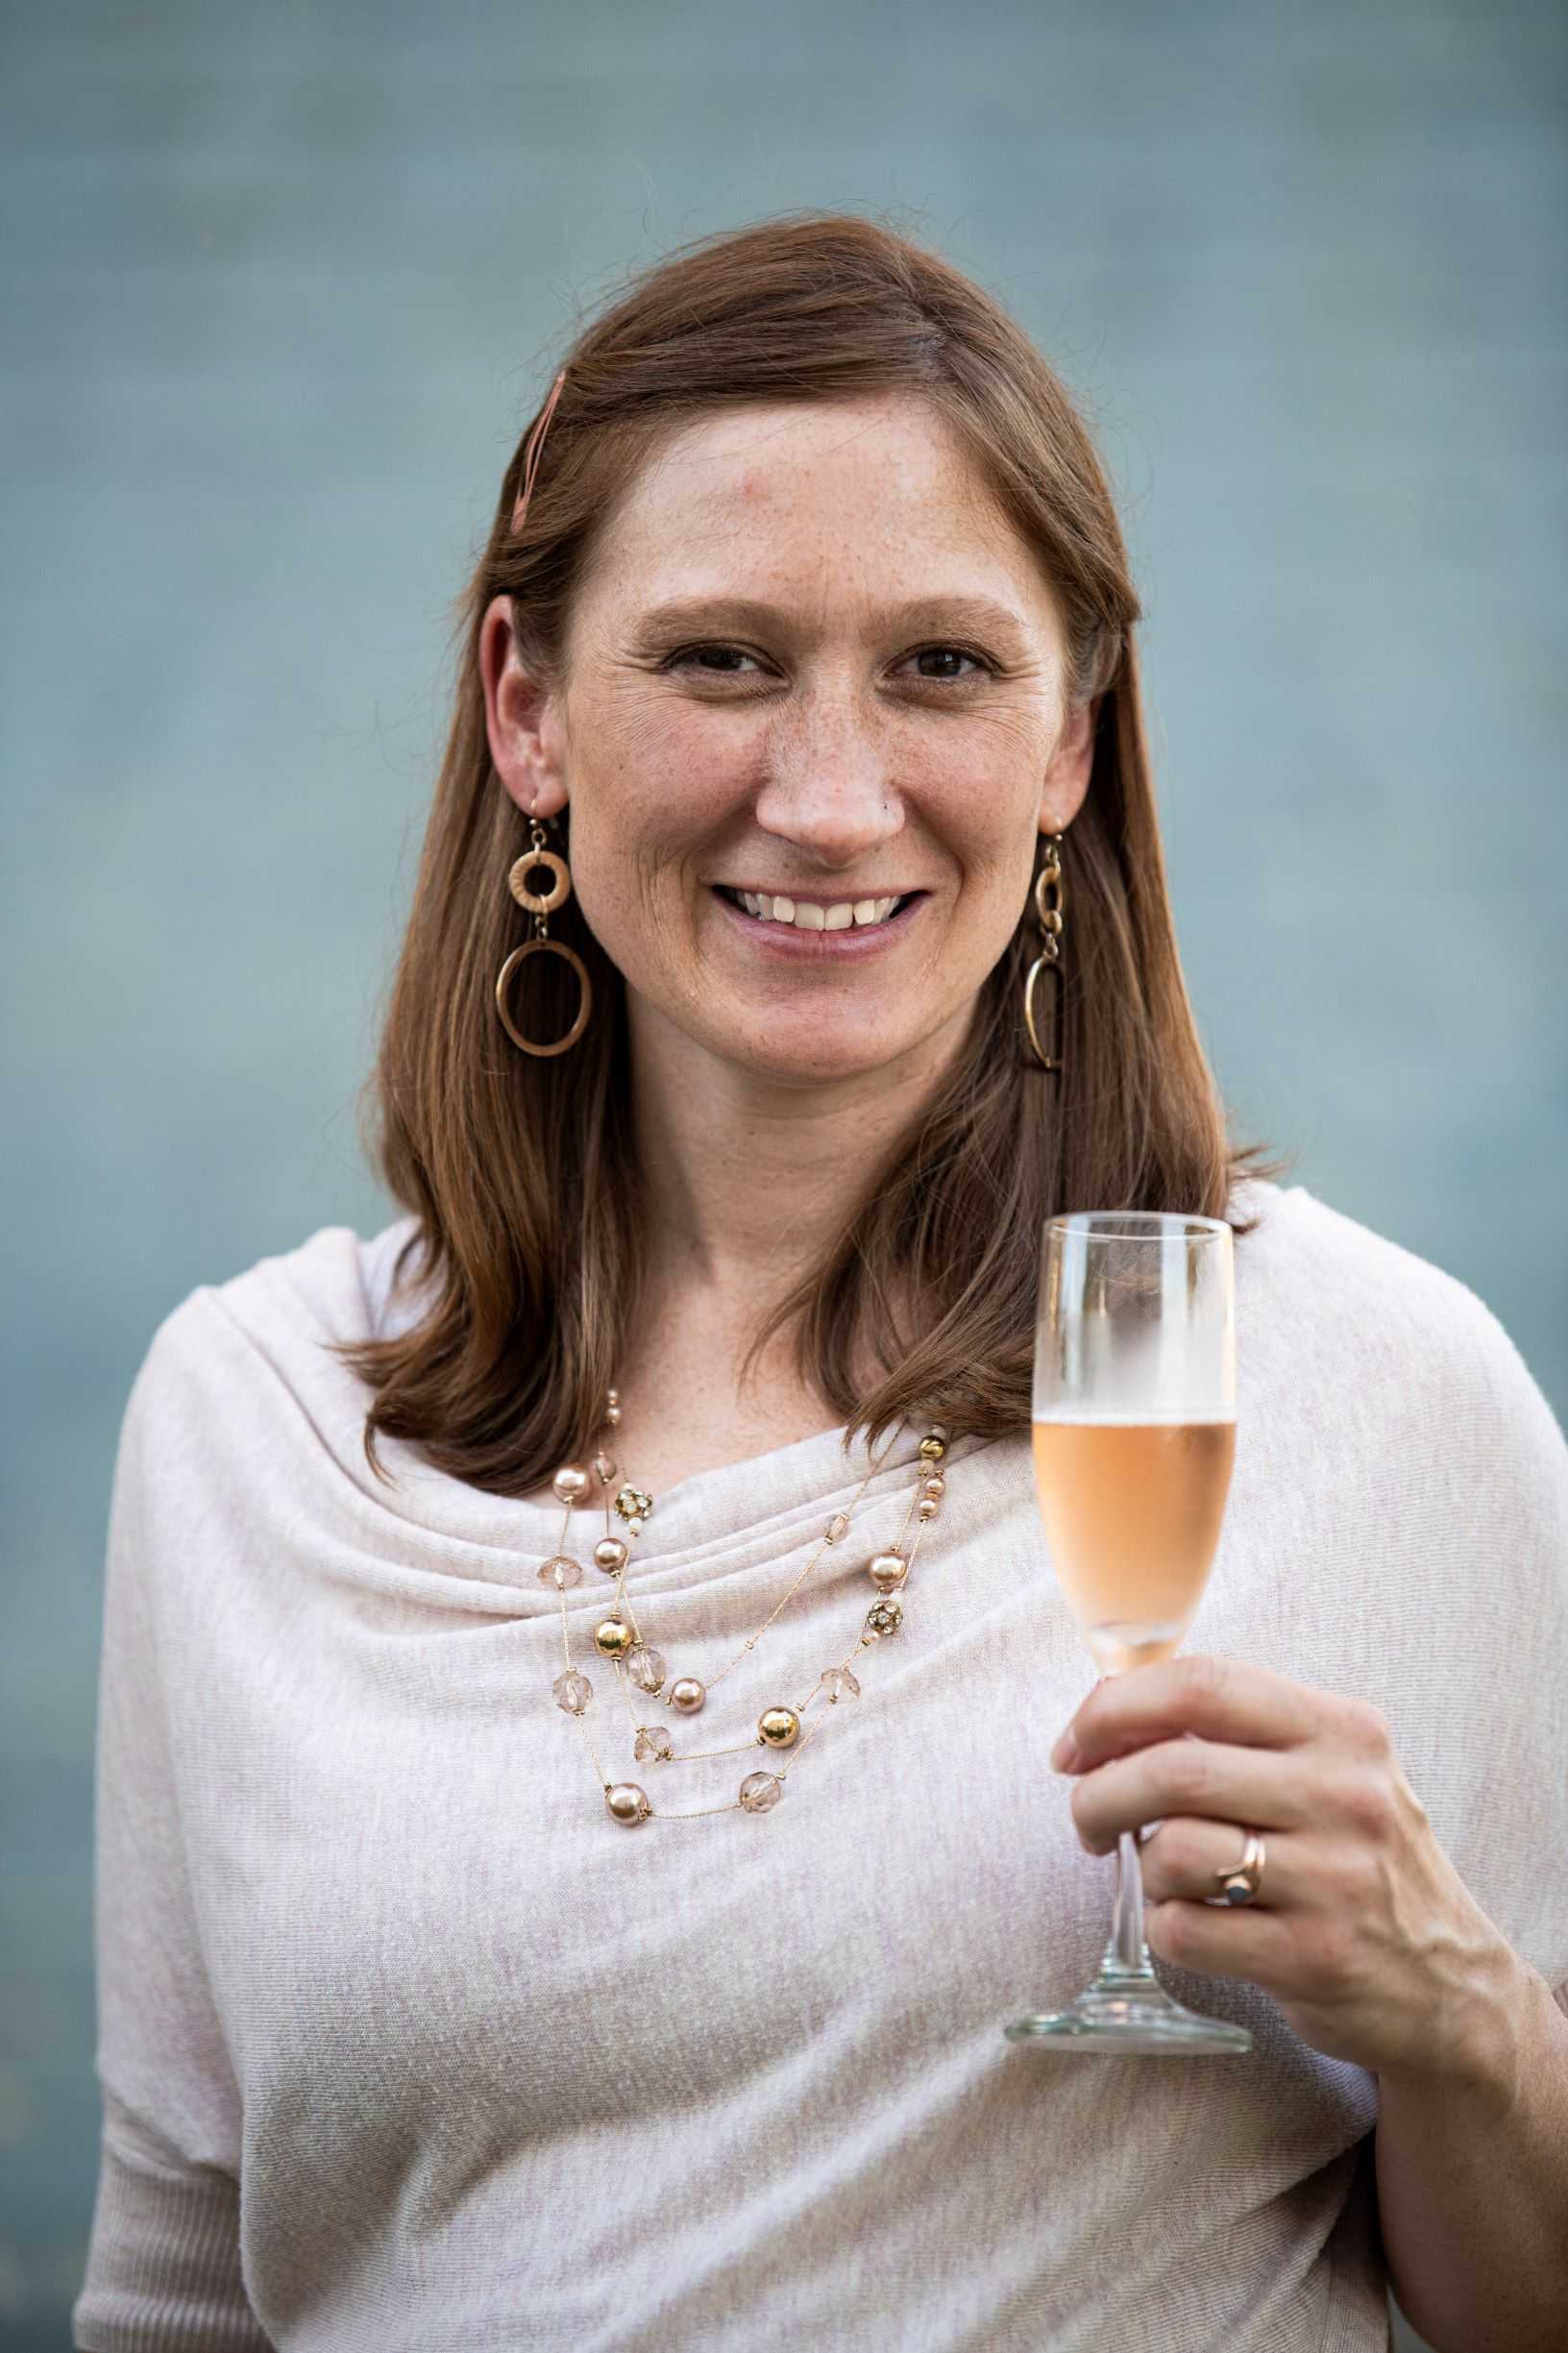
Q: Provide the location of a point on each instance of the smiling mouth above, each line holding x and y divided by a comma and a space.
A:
816, 914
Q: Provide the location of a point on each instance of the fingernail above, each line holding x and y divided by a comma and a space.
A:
1065, 1755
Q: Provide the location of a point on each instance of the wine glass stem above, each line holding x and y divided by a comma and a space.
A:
1127, 1954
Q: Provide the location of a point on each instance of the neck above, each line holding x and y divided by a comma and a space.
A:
748, 1179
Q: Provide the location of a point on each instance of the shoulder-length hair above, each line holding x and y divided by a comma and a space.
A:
523, 1171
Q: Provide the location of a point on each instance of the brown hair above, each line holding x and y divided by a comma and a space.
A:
522, 1170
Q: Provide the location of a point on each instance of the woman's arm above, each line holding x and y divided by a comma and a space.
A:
1473, 2179
1368, 1940
164, 2261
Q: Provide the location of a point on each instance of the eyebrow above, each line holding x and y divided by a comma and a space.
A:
934, 612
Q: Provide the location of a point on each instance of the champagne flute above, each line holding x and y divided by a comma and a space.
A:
1134, 1442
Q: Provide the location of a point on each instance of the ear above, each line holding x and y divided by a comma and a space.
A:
521, 718
1068, 770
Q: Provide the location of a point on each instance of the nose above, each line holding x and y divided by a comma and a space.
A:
829, 788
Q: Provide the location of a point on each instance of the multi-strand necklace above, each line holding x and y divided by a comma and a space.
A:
640, 1668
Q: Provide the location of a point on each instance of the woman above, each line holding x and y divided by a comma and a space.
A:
463, 1979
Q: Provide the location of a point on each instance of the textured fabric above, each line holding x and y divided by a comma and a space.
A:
405, 2044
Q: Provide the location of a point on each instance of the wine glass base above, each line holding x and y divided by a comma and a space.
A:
1134, 2015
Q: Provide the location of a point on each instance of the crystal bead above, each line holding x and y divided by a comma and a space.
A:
761, 1790
646, 1668
559, 1573
838, 1683
633, 1505
628, 1803
885, 1617
652, 1740
838, 1527
572, 1691
940, 1430
570, 1482
604, 1469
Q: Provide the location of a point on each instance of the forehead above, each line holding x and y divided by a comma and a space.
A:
875, 490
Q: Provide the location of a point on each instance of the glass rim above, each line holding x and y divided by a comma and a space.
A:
1137, 1225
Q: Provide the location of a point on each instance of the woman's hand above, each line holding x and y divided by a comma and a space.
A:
1361, 1930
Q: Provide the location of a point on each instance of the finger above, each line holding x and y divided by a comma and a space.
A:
1220, 1699
1184, 1856
1243, 1941
1258, 1787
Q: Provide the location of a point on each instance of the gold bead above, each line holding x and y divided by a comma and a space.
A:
610, 1556
932, 1450
632, 1504
613, 1638
778, 1726
569, 1481
886, 1570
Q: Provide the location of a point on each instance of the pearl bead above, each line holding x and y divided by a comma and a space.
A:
570, 1482
610, 1556
687, 1694
613, 1638
936, 1485
778, 1726
927, 1508
613, 1417
628, 1803
886, 1570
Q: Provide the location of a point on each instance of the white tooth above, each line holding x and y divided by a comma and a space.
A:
839, 918
885, 907
808, 918
783, 910
865, 911
753, 904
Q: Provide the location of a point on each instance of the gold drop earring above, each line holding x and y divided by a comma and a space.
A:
1049, 900
539, 904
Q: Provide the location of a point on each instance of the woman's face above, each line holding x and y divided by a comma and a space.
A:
814, 664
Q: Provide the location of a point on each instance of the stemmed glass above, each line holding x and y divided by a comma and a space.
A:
1134, 1440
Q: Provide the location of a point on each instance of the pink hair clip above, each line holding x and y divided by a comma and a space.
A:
531, 456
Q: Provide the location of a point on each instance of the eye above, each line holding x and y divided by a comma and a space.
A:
726, 655
948, 654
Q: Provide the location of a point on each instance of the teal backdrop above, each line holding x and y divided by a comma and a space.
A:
281, 289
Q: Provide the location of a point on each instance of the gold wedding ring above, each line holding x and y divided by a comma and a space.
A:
1242, 1882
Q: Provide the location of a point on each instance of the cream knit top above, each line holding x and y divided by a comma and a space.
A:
407, 2047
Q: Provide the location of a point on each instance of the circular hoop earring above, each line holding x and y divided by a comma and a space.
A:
539, 904
545, 948
1050, 897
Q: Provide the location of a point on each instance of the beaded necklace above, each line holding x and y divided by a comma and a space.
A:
618, 1638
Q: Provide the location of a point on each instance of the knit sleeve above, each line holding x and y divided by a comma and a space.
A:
163, 2266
